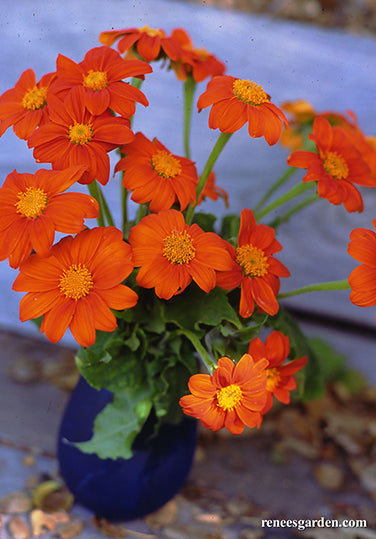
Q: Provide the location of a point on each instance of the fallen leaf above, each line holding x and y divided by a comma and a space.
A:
18, 528
164, 516
42, 522
68, 530
328, 475
109, 528
52, 496
16, 502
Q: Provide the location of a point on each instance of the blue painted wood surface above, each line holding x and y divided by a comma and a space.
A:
331, 69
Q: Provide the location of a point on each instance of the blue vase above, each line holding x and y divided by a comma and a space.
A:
122, 489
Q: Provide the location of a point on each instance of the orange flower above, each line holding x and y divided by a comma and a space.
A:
362, 279
33, 206
237, 101
301, 114
100, 74
157, 176
150, 43
25, 105
336, 166
194, 61
280, 379
232, 397
254, 267
212, 191
78, 284
363, 144
74, 136
172, 253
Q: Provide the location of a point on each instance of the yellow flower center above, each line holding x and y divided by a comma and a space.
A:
76, 282
152, 32
96, 80
80, 133
249, 92
178, 248
228, 397
32, 202
272, 379
165, 164
335, 165
252, 261
35, 98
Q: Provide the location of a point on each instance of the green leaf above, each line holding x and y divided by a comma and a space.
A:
205, 221
334, 368
230, 227
123, 370
194, 307
117, 425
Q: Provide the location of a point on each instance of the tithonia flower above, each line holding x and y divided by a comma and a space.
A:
336, 166
78, 284
101, 74
197, 62
172, 253
150, 43
237, 101
212, 191
232, 397
156, 175
279, 373
255, 269
362, 279
74, 136
365, 146
25, 105
300, 116
33, 207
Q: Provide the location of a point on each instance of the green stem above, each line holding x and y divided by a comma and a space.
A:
285, 217
124, 208
106, 208
281, 180
94, 191
189, 90
218, 147
331, 285
209, 362
297, 190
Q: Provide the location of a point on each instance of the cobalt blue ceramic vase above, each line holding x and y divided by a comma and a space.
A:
122, 489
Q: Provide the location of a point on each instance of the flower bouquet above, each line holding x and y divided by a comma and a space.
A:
169, 291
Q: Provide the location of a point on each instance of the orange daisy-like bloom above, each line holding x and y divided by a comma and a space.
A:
100, 74
280, 375
255, 269
236, 101
33, 207
157, 176
336, 166
300, 116
25, 105
212, 191
150, 43
232, 397
74, 136
172, 253
362, 279
78, 284
194, 61
365, 145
